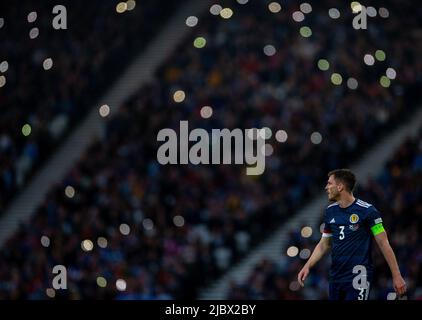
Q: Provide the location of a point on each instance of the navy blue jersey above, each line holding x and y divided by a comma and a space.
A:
350, 229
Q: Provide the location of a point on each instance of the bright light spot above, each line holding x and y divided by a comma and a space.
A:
33, 33
104, 110
148, 224
385, 81
26, 130
292, 251
1, 22
87, 245
269, 50
305, 8
369, 59
121, 285
32, 16
267, 150
383, 12
371, 12
352, 83
206, 112
102, 242
51, 293
131, 4
281, 136
121, 7
216, 9
199, 42
305, 254
294, 286
391, 73
178, 221
380, 55
101, 282
391, 296
316, 138
306, 232
2, 81
191, 21
305, 32
179, 96
334, 13
336, 79
356, 7
4, 66
226, 13
124, 229
242, 1
274, 7
69, 191
47, 64
45, 241
298, 16
323, 65
265, 133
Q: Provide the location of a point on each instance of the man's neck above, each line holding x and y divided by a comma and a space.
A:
346, 201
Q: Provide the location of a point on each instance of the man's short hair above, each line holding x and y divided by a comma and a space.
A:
345, 176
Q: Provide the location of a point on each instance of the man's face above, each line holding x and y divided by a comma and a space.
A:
333, 189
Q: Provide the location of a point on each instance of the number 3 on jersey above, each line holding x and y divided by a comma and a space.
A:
341, 237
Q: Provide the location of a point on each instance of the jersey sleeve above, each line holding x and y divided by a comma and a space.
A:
375, 221
327, 232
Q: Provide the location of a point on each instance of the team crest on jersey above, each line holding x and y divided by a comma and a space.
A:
354, 218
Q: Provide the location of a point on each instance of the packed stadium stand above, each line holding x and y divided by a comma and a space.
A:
120, 216
87, 57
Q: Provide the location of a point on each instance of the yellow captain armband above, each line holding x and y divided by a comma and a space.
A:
377, 229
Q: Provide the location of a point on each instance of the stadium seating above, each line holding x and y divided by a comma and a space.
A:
188, 224
86, 58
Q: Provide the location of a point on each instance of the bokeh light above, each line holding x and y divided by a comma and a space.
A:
26, 130
199, 42
292, 251
352, 83
69, 191
334, 13
226, 13
216, 9
121, 7
305, 31
45, 241
274, 7
179, 96
281, 136
179, 221
380, 55
47, 64
121, 285
306, 8
385, 81
124, 229
391, 73
191, 21
104, 110
298, 16
369, 59
336, 79
101, 282
316, 138
269, 50
87, 245
323, 64
306, 232
206, 112
102, 242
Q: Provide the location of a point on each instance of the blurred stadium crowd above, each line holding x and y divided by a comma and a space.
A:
396, 193
166, 231
86, 59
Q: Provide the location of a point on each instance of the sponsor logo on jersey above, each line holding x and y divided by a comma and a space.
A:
354, 227
354, 218
379, 220
333, 220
